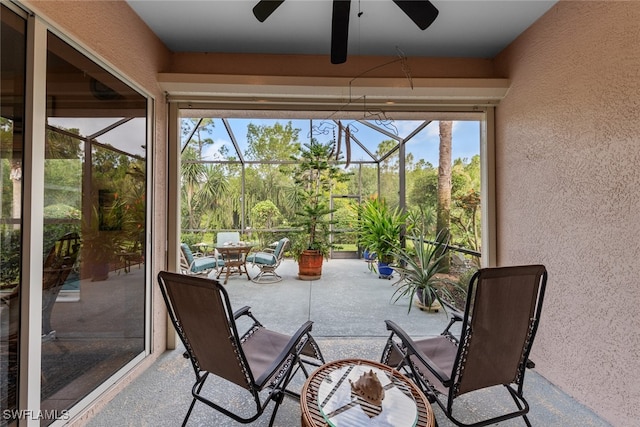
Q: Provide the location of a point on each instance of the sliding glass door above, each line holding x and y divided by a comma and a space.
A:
89, 174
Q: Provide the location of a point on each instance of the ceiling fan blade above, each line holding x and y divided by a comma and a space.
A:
264, 8
340, 31
422, 12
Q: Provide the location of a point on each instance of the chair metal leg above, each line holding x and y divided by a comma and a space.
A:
273, 277
186, 418
278, 400
200, 382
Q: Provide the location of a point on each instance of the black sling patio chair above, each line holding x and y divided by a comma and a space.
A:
258, 360
497, 331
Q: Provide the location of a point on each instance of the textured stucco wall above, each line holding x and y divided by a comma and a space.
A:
568, 174
113, 32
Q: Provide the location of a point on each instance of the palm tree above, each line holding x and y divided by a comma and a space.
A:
211, 194
192, 174
444, 183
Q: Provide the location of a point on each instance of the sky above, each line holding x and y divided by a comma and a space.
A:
423, 145
128, 137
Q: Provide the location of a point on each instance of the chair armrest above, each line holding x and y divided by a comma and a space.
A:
246, 311
412, 350
243, 311
290, 349
456, 316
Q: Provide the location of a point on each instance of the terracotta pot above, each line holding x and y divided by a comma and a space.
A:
310, 265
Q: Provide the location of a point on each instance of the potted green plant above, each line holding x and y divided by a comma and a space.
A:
419, 268
379, 229
315, 175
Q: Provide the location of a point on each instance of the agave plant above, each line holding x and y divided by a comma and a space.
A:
419, 267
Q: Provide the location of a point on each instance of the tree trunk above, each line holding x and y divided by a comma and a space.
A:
16, 178
444, 183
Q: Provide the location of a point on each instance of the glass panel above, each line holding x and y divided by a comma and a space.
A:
12, 70
269, 206
390, 174
422, 161
345, 226
219, 194
94, 227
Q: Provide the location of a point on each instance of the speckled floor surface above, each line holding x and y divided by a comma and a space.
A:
348, 306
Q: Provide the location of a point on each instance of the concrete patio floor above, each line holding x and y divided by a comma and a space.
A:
348, 306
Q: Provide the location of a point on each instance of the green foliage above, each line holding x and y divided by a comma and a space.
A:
267, 181
465, 278
265, 214
191, 238
10, 254
465, 203
197, 142
379, 228
100, 245
53, 230
419, 269
268, 175
315, 175
346, 218
204, 188
422, 220
267, 143
422, 185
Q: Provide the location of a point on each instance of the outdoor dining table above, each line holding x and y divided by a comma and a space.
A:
235, 260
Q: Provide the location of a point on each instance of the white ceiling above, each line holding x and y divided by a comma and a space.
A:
475, 28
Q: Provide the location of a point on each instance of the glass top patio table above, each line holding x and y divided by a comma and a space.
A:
328, 399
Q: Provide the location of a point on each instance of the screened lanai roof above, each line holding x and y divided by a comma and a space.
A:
372, 137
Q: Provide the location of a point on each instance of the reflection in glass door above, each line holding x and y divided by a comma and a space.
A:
93, 304
13, 47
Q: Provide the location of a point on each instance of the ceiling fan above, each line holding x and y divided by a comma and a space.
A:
421, 12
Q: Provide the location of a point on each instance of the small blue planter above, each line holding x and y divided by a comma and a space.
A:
384, 271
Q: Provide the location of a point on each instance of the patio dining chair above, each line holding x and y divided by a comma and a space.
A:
498, 328
197, 265
257, 360
268, 260
58, 264
227, 238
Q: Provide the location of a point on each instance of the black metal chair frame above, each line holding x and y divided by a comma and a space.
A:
404, 354
300, 352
